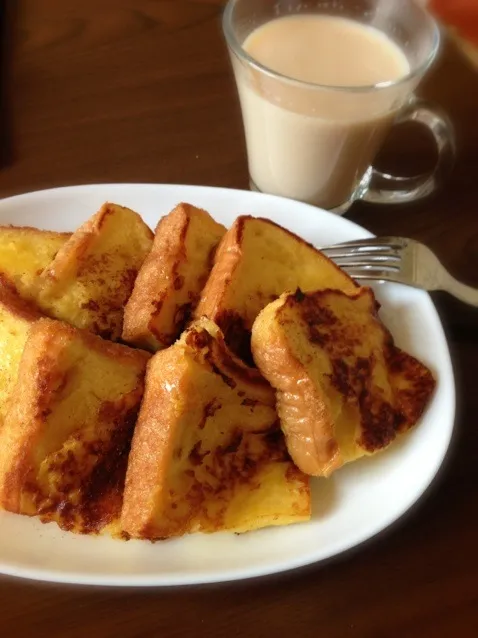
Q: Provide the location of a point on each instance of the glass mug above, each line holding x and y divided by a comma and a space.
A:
305, 141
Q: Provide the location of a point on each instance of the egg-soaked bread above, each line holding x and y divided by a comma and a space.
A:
16, 318
343, 388
171, 278
257, 261
25, 252
66, 437
208, 453
92, 276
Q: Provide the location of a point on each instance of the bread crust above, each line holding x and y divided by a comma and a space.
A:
172, 277
207, 452
15, 305
256, 261
91, 278
343, 388
66, 436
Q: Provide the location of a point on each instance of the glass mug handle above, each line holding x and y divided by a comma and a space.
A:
390, 189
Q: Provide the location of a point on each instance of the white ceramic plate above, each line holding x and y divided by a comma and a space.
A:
359, 501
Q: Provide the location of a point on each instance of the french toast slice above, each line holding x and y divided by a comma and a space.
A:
25, 252
171, 278
344, 389
91, 278
16, 318
66, 437
208, 453
257, 261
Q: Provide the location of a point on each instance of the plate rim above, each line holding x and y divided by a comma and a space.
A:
243, 573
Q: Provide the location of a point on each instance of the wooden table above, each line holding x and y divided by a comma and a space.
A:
141, 90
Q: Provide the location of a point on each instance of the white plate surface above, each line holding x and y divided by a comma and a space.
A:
358, 501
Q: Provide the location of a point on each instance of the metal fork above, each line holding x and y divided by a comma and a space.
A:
401, 260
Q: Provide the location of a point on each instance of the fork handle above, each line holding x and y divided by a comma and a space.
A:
461, 291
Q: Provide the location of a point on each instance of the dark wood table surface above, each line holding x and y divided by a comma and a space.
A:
141, 90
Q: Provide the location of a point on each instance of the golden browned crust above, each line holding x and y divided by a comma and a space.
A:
122, 354
66, 437
207, 453
206, 341
344, 388
16, 305
256, 261
304, 416
153, 442
170, 281
413, 385
226, 262
92, 276
34, 231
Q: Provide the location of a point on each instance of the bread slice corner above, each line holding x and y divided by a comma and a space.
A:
208, 453
66, 436
257, 261
172, 277
344, 390
90, 279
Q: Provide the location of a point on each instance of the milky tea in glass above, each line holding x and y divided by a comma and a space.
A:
320, 90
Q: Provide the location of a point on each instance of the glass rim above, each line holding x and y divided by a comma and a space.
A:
237, 48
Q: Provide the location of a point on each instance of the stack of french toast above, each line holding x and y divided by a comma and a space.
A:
190, 379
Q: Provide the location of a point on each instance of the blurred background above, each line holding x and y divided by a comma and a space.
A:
128, 91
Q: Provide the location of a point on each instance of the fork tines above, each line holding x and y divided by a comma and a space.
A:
366, 257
